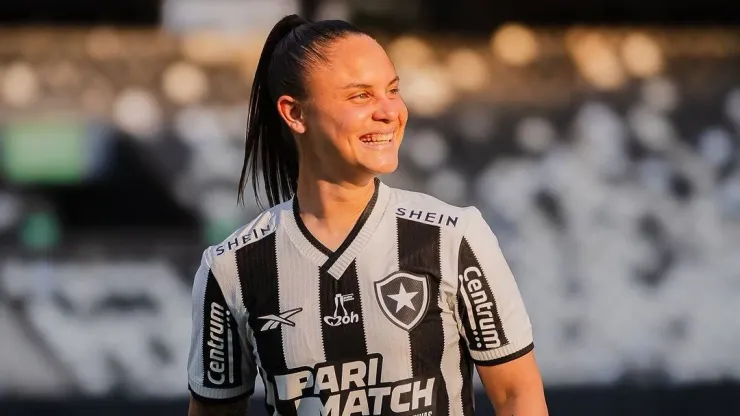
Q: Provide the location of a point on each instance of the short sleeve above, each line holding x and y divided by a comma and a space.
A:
221, 364
492, 317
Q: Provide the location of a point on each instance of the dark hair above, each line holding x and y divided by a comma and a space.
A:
292, 46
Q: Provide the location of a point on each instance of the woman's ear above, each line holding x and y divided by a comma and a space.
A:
292, 113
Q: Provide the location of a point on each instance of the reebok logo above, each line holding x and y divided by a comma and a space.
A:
273, 321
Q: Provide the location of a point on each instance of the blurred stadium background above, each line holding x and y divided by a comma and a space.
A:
601, 141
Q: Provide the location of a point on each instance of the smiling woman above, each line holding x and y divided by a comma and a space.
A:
360, 299
318, 115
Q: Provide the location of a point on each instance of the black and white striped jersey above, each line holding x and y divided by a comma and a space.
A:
390, 323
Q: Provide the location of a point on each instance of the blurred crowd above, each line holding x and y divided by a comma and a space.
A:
606, 161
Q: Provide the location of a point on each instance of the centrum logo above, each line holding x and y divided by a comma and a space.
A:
217, 344
480, 310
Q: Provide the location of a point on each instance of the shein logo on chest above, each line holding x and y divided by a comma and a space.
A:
427, 217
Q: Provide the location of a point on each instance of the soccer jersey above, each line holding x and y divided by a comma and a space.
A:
390, 323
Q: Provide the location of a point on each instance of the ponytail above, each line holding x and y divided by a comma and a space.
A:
290, 48
269, 147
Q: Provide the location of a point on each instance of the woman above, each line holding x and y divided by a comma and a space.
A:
348, 296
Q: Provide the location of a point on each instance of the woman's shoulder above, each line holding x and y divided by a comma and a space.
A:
426, 208
259, 227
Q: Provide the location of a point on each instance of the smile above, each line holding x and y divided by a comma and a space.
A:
378, 138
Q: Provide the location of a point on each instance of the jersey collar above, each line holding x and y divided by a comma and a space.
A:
336, 262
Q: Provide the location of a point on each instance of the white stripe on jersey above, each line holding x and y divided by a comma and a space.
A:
390, 341
298, 284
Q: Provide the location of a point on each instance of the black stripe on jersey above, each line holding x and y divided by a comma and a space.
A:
342, 325
419, 253
258, 275
269, 407
222, 360
484, 331
466, 368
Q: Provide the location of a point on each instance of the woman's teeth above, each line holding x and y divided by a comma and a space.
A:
377, 138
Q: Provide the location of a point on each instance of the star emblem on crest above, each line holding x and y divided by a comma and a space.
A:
404, 298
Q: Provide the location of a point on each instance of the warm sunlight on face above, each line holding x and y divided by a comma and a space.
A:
355, 117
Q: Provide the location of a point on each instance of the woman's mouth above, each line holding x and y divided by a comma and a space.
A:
377, 138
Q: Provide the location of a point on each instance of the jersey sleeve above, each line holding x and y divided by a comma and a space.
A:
492, 317
221, 363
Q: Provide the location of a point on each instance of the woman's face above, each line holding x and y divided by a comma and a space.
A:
354, 117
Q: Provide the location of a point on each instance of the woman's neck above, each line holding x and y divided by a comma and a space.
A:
330, 209
328, 200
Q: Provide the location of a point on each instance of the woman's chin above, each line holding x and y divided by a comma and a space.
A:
381, 167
